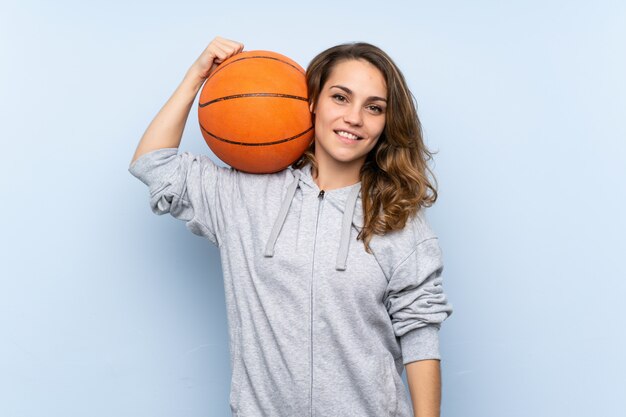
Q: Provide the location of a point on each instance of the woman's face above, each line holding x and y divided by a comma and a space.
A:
350, 113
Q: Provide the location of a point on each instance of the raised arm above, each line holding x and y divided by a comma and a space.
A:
166, 129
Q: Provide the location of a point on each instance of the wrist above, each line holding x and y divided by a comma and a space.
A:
192, 82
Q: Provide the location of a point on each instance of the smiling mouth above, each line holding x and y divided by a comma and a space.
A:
347, 135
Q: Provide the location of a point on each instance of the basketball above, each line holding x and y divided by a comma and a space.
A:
254, 113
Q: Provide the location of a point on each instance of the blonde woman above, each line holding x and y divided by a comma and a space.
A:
332, 274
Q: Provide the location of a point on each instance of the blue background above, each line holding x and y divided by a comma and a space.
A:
109, 310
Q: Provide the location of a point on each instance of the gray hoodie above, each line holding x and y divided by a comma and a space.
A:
318, 327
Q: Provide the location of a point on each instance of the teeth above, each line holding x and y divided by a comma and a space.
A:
347, 135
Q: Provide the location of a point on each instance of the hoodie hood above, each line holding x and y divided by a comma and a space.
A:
345, 199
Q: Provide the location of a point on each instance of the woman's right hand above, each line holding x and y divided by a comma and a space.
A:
218, 51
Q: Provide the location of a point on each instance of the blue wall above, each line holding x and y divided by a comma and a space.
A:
108, 310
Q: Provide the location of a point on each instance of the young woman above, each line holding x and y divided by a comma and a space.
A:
331, 272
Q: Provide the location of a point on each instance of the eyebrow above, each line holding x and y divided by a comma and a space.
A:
347, 90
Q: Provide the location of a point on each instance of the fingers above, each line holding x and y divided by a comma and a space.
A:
218, 51
222, 49
229, 44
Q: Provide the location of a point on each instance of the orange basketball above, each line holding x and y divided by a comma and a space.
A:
254, 113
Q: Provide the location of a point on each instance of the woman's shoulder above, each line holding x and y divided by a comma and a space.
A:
254, 189
260, 180
393, 247
416, 230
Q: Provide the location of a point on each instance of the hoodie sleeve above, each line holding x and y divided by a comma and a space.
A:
184, 185
416, 301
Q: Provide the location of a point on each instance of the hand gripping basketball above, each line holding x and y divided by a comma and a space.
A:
218, 51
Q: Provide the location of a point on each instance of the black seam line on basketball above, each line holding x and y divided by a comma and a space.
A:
218, 69
232, 142
234, 96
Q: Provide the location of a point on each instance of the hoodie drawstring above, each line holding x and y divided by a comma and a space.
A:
282, 214
346, 222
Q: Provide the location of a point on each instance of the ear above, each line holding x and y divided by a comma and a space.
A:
312, 107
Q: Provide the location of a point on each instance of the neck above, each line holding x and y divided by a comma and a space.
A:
332, 175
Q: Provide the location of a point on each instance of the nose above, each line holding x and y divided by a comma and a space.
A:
353, 116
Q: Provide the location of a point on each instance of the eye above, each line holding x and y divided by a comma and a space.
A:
339, 98
376, 109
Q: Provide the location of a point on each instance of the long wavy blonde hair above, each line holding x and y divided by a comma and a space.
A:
394, 176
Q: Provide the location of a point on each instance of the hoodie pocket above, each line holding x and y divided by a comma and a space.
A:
390, 388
